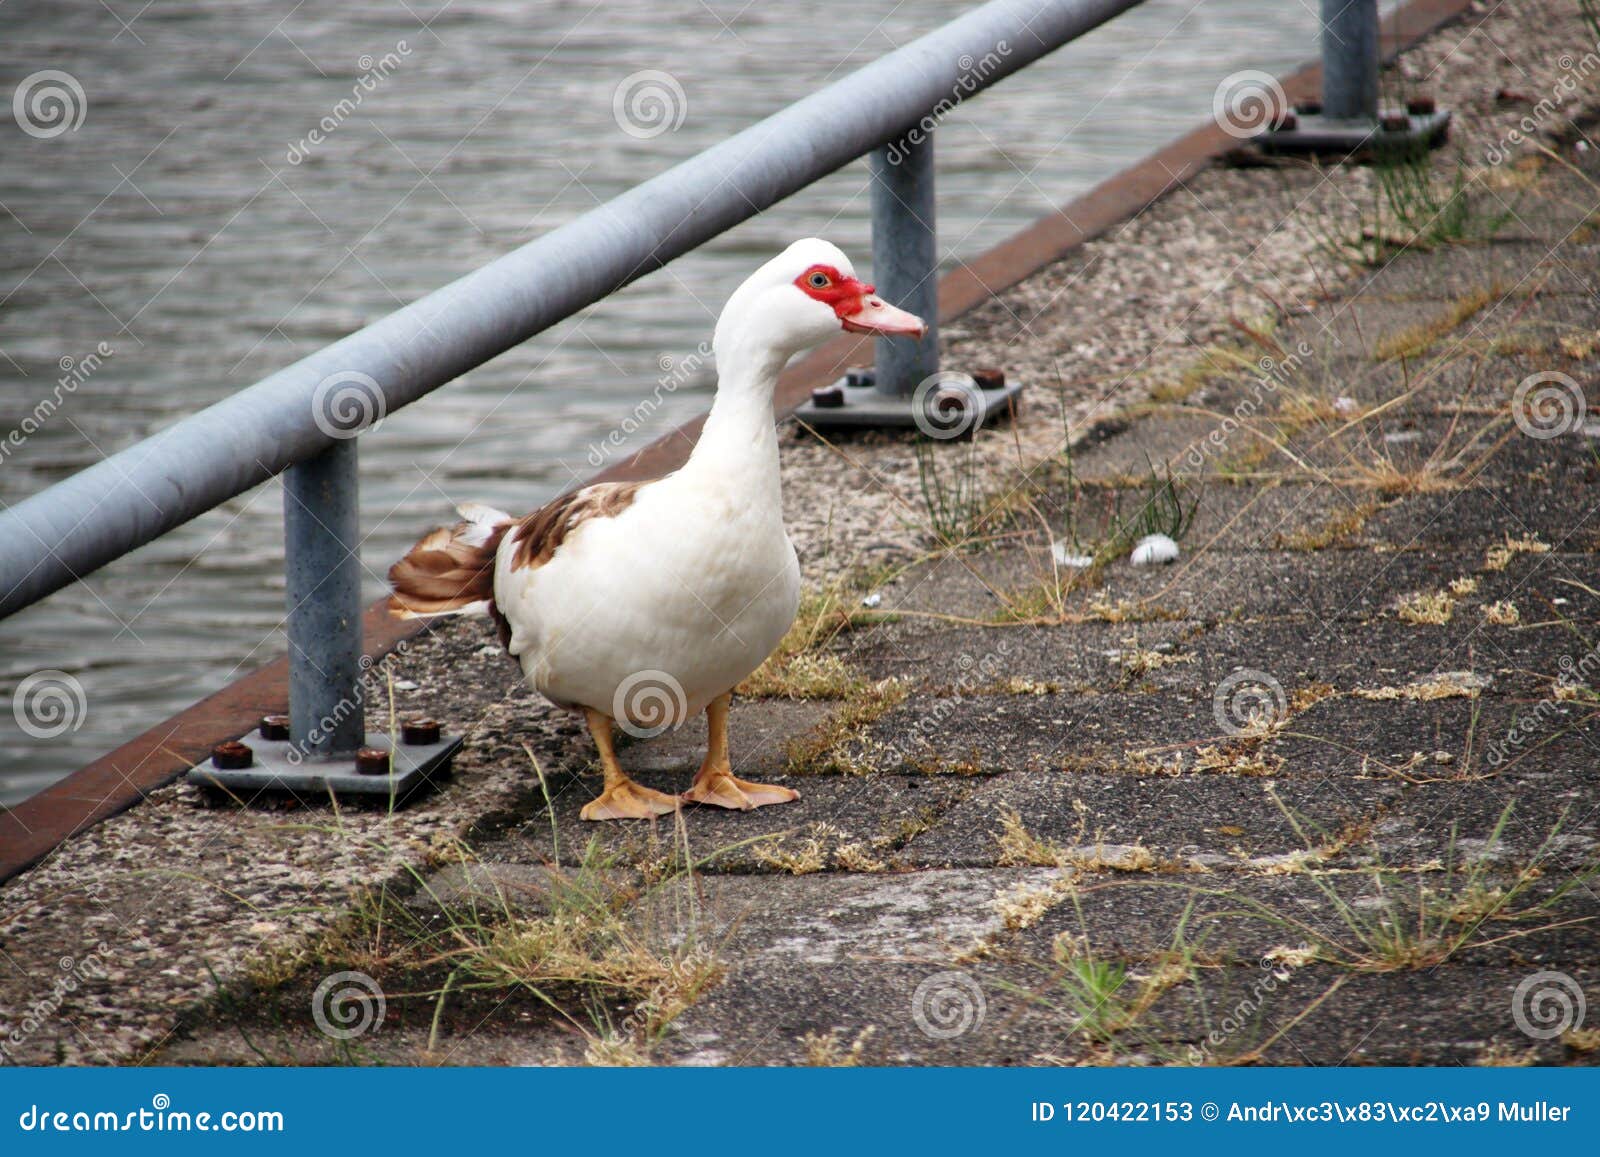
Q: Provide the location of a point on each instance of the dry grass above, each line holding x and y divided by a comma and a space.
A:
1448, 685
803, 676
1499, 557
857, 857
1503, 1056
1020, 847
1025, 903
822, 749
1398, 925
1502, 614
1418, 339
1580, 347
616, 952
1582, 1040
1237, 758
1426, 608
827, 1050
811, 855
799, 669
1339, 528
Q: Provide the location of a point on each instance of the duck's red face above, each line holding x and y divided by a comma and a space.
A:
857, 304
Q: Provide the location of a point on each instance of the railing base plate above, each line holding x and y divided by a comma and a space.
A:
864, 408
273, 770
1315, 134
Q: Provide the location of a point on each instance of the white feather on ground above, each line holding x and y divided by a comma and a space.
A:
1153, 549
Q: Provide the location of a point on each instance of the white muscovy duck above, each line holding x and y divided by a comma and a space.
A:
647, 603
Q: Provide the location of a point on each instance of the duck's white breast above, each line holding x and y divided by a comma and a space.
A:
693, 583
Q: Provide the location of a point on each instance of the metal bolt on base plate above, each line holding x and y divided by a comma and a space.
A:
947, 405
1309, 132
277, 765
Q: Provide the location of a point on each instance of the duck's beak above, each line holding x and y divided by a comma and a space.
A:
877, 316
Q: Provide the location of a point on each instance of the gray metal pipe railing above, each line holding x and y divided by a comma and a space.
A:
296, 419
1350, 59
905, 257
78, 525
304, 419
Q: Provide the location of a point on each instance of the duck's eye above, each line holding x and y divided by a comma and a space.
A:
819, 281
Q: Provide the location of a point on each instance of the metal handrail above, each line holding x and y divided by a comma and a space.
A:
285, 422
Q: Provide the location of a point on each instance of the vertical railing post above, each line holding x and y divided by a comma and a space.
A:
1350, 59
321, 525
905, 258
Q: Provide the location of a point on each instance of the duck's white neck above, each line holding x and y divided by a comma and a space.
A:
740, 438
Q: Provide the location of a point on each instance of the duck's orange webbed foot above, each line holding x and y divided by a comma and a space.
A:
719, 787
716, 785
626, 800
622, 799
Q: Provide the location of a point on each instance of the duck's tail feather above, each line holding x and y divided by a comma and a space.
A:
451, 570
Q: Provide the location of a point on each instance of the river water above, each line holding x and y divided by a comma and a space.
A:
190, 236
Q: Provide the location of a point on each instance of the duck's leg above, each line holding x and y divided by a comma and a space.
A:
622, 799
715, 783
